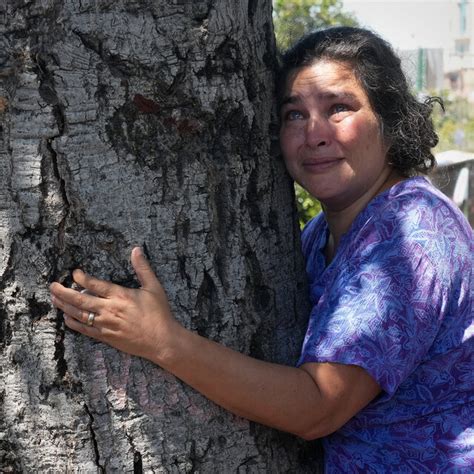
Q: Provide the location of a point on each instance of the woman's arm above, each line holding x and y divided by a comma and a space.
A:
310, 401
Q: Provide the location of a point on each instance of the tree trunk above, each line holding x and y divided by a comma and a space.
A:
141, 123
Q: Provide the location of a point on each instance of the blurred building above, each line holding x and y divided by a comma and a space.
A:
424, 68
459, 52
452, 67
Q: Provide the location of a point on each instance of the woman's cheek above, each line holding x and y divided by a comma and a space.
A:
349, 130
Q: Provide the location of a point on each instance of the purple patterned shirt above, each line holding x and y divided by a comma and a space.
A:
397, 300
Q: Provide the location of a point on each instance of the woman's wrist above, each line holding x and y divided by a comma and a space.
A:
165, 351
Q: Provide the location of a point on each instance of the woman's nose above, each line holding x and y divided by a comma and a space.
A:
318, 132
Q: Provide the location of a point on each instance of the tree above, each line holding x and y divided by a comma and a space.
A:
294, 18
146, 123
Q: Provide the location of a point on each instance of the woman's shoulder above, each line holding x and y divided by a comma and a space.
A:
415, 205
414, 218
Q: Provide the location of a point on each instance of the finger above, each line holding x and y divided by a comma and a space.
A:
102, 288
90, 331
76, 313
145, 274
76, 299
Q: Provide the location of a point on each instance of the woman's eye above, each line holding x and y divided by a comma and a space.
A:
338, 108
293, 115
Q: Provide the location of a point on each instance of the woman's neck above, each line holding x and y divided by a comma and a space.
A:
340, 220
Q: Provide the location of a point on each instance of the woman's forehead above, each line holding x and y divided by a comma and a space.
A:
323, 78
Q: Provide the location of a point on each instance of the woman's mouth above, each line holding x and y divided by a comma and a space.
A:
320, 165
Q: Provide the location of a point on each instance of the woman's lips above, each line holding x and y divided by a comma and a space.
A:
320, 165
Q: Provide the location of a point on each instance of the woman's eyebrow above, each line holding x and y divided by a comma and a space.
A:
294, 99
337, 95
291, 99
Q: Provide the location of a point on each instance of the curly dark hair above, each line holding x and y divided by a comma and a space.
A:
405, 121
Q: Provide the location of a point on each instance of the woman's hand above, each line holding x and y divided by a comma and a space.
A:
137, 321
310, 401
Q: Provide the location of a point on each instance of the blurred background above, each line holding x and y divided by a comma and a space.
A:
435, 41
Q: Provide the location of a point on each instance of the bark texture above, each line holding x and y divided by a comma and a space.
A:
149, 123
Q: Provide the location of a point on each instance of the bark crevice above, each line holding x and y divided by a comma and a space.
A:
137, 456
48, 92
5, 327
95, 444
137, 463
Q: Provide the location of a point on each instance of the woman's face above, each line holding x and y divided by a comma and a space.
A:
330, 136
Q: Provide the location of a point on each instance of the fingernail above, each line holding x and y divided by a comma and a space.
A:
139, 251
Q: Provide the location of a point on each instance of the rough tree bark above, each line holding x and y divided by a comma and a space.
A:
141, 122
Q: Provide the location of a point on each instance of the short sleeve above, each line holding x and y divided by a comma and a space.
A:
380, 306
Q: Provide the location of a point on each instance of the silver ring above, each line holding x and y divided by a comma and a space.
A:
90, 319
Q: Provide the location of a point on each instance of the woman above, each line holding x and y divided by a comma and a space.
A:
385, 373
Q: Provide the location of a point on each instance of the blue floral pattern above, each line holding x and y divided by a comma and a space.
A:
397, 300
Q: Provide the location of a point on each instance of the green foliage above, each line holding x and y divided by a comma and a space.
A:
307, 206
293, 18
455, 126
